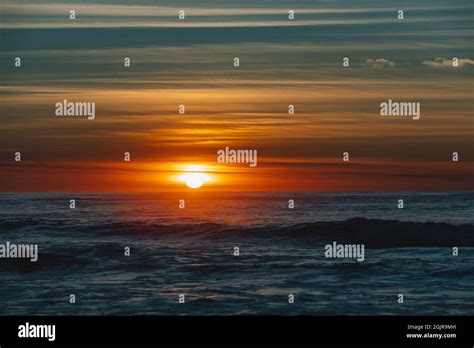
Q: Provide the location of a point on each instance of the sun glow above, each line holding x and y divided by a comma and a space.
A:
195, 177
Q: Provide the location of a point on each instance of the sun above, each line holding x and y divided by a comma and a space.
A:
195, 177
194, 180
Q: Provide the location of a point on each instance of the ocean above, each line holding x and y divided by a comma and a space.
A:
281, 251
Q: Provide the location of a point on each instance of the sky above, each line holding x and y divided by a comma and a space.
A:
190, 62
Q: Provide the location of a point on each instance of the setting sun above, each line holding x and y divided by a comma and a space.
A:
195, 178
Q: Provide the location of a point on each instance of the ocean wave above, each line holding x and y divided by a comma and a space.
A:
374, 233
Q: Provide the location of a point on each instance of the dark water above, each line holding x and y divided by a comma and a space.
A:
190, 251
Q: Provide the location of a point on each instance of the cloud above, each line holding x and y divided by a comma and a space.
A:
379, 63
206, 14
441, 62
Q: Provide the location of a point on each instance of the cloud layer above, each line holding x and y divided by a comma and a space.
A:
441, 62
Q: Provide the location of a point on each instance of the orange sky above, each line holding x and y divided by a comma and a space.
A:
295, 152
